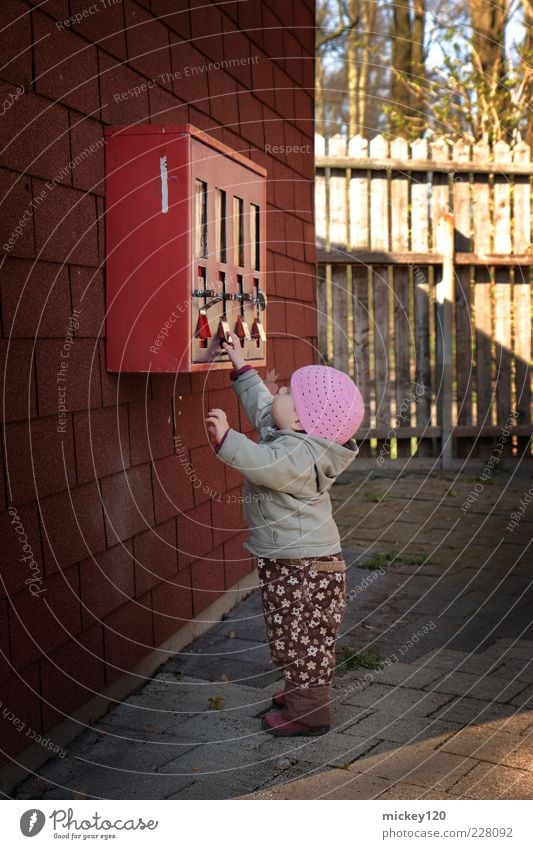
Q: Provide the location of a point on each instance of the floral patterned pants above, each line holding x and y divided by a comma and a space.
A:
304, 603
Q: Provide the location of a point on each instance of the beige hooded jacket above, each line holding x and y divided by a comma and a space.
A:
286, 502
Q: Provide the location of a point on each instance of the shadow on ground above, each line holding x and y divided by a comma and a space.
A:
439, 602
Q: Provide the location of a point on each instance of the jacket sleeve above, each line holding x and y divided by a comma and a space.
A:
282, 467
254, 397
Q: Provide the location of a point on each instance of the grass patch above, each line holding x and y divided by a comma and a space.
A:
469, 479
377, 496
382, 559
415, 561
349, 658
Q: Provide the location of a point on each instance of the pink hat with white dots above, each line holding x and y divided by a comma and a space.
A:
328, 402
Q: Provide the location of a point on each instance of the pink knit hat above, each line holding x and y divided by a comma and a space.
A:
328, 402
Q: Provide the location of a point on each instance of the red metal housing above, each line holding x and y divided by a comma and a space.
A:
185, 250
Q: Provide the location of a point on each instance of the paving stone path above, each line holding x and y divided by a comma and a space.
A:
440, 600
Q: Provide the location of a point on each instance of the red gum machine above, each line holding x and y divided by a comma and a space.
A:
185, 250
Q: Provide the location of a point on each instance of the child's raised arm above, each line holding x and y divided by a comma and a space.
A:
250, 390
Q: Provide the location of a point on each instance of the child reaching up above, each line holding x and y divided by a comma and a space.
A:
305, 443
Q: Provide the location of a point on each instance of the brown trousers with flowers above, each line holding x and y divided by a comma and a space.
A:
303, 604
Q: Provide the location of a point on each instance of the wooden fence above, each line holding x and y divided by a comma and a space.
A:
424, 287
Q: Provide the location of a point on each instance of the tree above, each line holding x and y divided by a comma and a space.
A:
424, 67
478, 90
359, 50
408, 101
525, 92
351, 79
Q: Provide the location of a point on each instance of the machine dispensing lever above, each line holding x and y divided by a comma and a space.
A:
260, 300
224, 332
204, 293
213, 301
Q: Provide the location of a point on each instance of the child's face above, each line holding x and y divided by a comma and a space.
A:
283, 410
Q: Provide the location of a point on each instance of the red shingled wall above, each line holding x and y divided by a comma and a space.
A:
126, 547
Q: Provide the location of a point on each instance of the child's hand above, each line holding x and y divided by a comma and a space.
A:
234, 353
218, 423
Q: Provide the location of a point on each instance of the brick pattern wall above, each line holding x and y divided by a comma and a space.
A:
109, 545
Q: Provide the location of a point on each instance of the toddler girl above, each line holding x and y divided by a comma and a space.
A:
305, 443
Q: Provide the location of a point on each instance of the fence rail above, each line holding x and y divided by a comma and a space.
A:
424, 291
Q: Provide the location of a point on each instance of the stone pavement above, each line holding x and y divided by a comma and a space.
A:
438, 596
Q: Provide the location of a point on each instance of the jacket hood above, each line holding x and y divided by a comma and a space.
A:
330, 458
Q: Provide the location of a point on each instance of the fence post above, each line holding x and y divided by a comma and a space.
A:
444, 332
